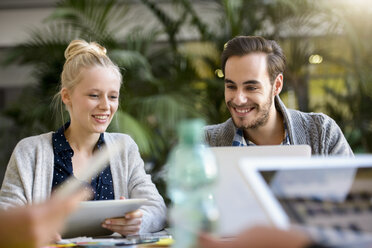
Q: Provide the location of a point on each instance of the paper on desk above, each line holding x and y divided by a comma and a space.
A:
105, 242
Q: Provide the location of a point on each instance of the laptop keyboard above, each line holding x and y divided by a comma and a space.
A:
350, 219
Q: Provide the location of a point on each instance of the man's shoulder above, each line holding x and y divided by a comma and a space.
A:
311, 118
305, 119
321, 132
219, 127
220, 134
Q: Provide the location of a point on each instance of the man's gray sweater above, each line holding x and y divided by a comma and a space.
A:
318, 131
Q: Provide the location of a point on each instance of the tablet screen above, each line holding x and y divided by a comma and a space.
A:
87, 220
336, 198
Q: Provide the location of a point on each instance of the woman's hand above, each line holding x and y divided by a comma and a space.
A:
127, 225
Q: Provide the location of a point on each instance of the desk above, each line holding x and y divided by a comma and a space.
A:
159, 239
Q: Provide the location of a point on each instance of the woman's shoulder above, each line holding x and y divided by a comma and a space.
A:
127, 144
35, 140
119, 137
31, 145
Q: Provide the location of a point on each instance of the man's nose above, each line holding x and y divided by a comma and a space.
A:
240, 97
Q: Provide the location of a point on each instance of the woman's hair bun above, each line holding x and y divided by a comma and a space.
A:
78, 47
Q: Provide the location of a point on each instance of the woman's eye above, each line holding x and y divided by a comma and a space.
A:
93, 95
114, 97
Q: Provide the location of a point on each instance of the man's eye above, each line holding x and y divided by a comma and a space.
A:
251, 88
93, 95
114, 97
230, 86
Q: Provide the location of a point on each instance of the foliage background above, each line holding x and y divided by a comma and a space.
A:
168, 78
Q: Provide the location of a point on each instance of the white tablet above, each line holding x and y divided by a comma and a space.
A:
87, 220
331, 197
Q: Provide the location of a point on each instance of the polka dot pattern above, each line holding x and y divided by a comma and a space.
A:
101, 185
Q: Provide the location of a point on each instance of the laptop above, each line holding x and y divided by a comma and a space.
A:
328, 197
237, 206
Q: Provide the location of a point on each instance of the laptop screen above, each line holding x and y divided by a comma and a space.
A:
232, 195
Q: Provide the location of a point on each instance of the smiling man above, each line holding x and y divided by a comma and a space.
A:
253, 69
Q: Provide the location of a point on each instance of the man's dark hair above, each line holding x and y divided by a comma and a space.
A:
243, 45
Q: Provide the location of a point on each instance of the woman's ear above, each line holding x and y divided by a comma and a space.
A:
65, 96
278, 84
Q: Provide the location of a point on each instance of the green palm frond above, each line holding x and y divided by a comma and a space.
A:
352, 24
125, 123
196, 21
91, 20
171, 25
45, 45
98, 20
202, 56
242, 17
298, 54
164, 111
141, 40
295, 18
355, 25
133, 61
234, 18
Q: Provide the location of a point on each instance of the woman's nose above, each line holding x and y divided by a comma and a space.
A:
104, 103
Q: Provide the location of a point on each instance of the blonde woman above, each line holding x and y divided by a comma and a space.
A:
90, 86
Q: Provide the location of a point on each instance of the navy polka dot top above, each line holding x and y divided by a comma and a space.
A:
101, 185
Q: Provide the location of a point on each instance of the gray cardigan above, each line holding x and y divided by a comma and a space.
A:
29, 175
318, 131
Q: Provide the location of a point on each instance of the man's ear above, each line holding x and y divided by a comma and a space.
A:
65, 96
278, 84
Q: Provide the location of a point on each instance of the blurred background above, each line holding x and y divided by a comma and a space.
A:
169, 53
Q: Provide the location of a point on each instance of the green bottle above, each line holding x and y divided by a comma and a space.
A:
192, 171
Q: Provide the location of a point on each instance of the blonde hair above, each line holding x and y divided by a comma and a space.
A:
81, 55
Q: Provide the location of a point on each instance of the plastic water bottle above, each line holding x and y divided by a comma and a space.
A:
192, 171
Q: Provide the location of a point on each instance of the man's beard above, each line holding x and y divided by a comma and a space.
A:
263, 116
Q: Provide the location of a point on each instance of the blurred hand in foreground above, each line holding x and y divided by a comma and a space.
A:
258, 237
39, 224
